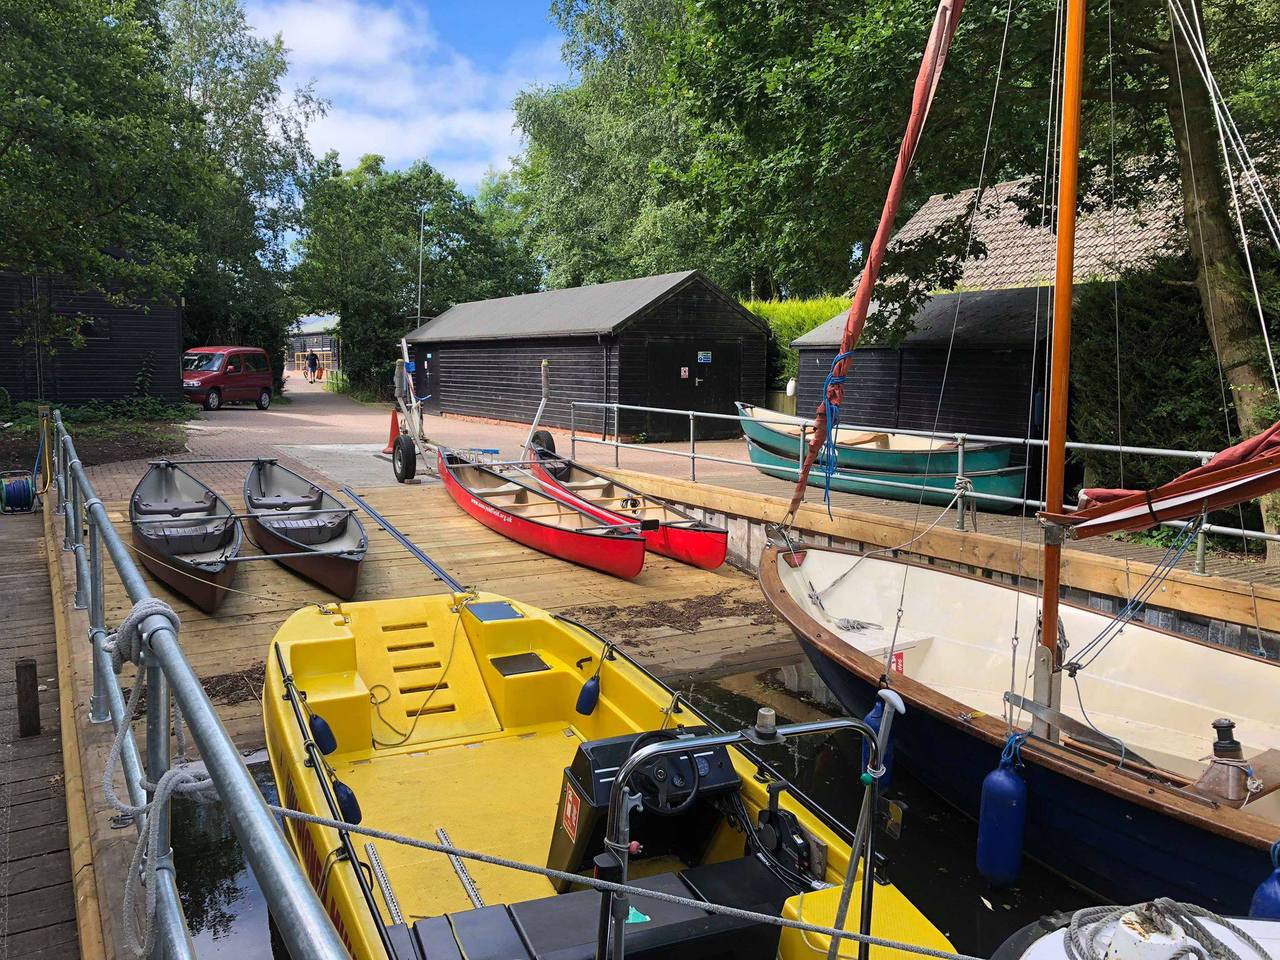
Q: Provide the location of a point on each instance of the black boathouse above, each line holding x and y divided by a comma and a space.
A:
675, 341
129, 349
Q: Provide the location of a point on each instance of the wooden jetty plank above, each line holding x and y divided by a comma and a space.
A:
40, 905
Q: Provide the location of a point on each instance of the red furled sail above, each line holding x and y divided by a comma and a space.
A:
1247, 470
935, 55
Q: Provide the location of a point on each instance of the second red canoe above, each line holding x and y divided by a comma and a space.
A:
527, 514
667, 529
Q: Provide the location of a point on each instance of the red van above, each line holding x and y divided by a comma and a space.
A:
213, 376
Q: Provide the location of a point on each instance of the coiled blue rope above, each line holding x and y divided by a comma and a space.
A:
830, 452
1011, 755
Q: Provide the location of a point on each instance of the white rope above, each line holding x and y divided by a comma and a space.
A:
1082, 940
125, 645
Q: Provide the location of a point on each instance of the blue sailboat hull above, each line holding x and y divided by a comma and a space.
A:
1119, 850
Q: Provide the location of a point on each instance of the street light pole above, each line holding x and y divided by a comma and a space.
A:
422, 212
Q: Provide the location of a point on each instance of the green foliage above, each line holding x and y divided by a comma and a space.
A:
359, 258
138, 409
255, 151
789, 319
1169, 392
96, 151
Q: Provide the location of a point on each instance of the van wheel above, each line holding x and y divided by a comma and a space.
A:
543, 439
264, 399
404, 459
213, 399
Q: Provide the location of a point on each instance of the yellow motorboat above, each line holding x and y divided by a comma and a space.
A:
490, 725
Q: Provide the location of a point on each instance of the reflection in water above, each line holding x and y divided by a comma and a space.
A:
225, 909
932, 862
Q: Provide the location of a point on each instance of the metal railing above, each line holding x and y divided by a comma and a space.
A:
964, 495
298, 913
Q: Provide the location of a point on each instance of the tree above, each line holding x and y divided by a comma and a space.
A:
255, 150
95, 152
595, 181
500, 202
359, 257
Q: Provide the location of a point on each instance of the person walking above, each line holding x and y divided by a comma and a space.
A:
313, 362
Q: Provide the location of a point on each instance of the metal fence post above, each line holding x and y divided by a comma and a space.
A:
693, 446
960, 504
158, 759
1199, 566
65, 495
573, 430
617, 439
99, 704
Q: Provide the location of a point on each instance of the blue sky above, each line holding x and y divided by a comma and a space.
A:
417, 79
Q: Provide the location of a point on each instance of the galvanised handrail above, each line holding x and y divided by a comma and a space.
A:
297, 911
963, 494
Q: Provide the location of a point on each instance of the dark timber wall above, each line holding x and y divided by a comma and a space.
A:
987, 390
121, 342
502, 379
692, 349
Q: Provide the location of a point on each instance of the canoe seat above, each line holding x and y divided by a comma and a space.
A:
174, 508
595, 483
311, 499
190, 537
309, 530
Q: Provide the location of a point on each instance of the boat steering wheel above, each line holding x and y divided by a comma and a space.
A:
662, 781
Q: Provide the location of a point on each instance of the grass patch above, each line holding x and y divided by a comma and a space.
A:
335, 381
131, 429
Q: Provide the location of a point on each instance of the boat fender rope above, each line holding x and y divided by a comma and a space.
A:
1087, 927
126, 644
1011, 755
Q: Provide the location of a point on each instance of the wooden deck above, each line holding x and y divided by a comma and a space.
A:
37, 899
1243, 565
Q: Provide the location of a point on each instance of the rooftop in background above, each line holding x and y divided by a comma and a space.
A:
572, 312
982, 318
1001, 298
1019, 255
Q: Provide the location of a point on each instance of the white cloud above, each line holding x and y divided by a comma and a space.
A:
396, 89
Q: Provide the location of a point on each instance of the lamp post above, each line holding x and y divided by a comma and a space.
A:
422, 212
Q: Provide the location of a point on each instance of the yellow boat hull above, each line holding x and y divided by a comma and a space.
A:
443, 719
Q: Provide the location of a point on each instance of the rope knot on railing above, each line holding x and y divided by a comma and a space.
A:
125, 644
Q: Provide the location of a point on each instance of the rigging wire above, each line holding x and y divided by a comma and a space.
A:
1048, 188
955, 319
1214, 335
1199, 55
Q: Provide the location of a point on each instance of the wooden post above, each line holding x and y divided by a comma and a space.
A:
28, 697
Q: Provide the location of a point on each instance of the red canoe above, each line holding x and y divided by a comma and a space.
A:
530, 516
676, 534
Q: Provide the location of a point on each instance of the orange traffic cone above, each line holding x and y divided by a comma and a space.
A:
395, 432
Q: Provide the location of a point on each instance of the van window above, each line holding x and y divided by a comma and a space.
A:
202, 362
235, 363
255, 362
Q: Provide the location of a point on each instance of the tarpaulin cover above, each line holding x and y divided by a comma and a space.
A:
1249, 469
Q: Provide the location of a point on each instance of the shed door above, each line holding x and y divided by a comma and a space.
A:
692, 374
427, 360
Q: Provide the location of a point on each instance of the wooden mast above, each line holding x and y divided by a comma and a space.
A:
1048, 682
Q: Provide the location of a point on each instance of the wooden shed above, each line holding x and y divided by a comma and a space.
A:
995, 359
128, 349
994, 325
675, 341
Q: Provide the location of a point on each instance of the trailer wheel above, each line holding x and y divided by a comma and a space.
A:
404, 459
543, 439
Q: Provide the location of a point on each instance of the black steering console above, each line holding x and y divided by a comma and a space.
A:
678, 794
668, 784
